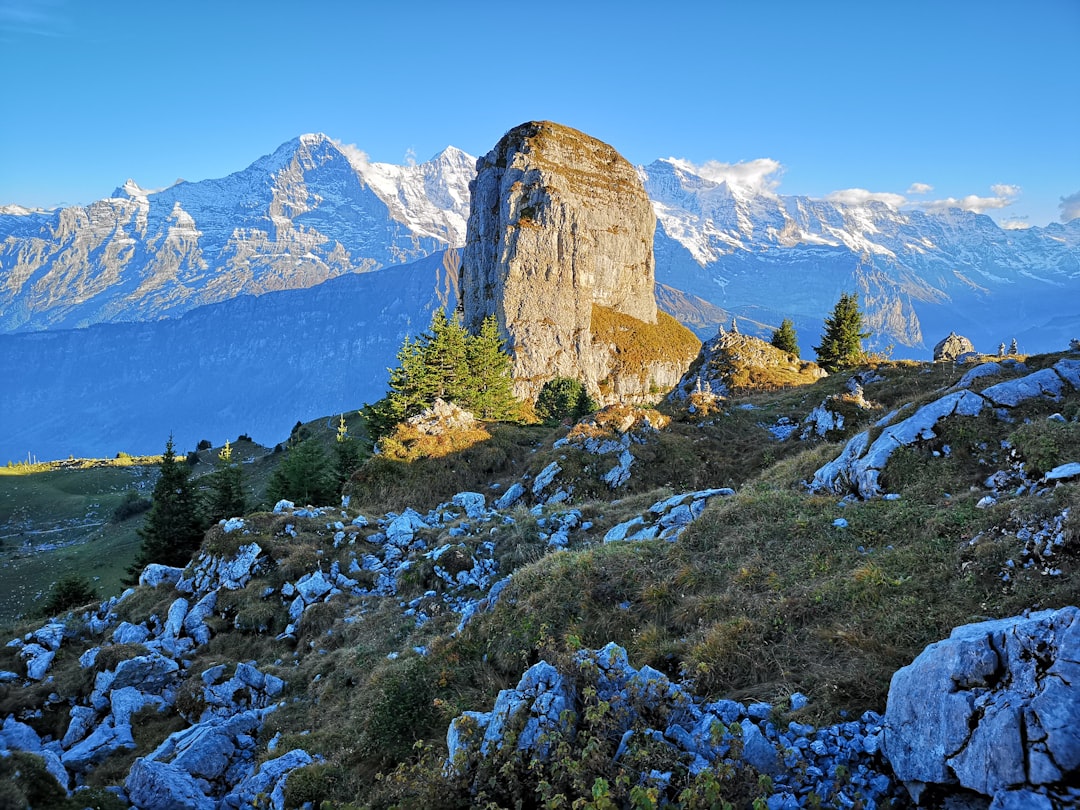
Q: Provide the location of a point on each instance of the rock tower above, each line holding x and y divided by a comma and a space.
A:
559, 246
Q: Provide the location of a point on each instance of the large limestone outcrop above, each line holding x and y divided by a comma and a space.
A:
992, 709
953, 346
559, 247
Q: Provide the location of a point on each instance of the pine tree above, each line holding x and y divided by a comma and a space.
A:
841, 345
490, 393
346, 454
172, 531
445, 358
226, 496
784, 338
563, 398
303, 476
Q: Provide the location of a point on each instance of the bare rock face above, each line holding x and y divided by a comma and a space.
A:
561, 228
731, 362
953, 347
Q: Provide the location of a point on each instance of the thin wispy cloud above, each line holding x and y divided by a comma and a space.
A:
861, 196
40, 18
1004, 196
1020, 224
1070, 207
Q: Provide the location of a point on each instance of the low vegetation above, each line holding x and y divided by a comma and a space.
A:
769, 592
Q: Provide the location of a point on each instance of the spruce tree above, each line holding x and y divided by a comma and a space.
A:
226, 496
346, 454
563, 398
841, 345
445, 359
304, 476
784, 338
490, 393
171, 532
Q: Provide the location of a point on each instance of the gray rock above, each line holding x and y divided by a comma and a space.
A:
174, 621
148, 672
474, 503
82, 720
979, 372
1064, 472
511, 496
313, 587
38, 660
152, 785
129, 700
155, 574
543, 247
401, 530
266, 781
19, 736
952, 347
102, 742
545, 477
195, 621
1069, 370
758, 751
128, 633
1009, 394
237, 572
51, 636
992, 708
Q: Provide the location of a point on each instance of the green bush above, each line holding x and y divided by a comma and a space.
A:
69, 592
563, 398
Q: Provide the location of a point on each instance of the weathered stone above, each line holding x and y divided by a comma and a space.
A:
266, 781
559, 224
1009, 394
161, 786
511, 496
102, 742
156, 574
992, 708
952, 347
473, 503
722, 358
19, 736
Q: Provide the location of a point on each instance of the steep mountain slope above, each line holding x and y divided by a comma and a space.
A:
310, 211
246, 365
918, 275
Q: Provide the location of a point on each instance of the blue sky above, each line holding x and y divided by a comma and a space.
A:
919, 101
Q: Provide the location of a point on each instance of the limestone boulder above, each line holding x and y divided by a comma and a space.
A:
992, 709
952, 347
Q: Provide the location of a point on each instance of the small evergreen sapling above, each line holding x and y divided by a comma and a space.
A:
785, 339
226, 497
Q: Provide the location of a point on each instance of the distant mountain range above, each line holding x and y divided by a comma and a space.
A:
362, 249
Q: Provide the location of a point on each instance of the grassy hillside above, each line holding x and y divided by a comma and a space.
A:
769, 592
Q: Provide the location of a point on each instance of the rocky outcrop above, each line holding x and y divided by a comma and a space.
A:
953, 347
999, 700
732, 362
859, 466
559, 239
650, 712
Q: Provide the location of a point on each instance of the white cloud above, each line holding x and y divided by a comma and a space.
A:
410, 157
860, 196
356, 156
1070, 207
761, 175
1005, 195
920, 188
1015, 224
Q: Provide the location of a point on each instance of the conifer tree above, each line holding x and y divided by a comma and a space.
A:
784, 338
490, 393
563, 398
226, 497
303, 476
841, 345
172, 531
445, 359
346, 454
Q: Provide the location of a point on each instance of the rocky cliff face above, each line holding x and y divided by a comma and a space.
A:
559, 223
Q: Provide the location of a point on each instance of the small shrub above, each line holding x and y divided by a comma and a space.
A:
132, 505
69, 592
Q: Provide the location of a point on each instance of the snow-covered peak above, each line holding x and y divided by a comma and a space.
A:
19, 210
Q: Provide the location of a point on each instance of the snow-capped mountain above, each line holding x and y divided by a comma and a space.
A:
310, 211
918, 275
